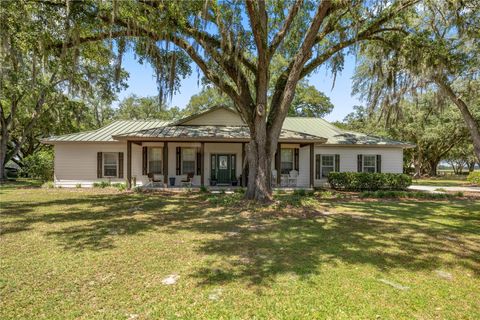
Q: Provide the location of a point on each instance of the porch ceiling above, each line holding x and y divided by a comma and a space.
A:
211, 133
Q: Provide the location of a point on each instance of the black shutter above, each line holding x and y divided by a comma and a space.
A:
120, 165
233, 165
337, 163
317, 166
99, 165
379, 163
296, 158
144, 161
179, 161
199, 162
359, 163
213, 167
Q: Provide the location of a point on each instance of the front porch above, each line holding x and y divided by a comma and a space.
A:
218, 165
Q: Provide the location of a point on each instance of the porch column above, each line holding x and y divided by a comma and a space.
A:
278, 164
129, 164
312, 158
243, 183
165, 164
202, 164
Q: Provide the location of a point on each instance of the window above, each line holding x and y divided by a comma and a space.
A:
286, 160
155, 160
110, 164
369, 163
188, 160
328, 164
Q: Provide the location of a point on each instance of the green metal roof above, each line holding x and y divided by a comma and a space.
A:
294, 128
213, 133
105, 134
335, 135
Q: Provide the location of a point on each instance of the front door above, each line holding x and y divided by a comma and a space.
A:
223, 168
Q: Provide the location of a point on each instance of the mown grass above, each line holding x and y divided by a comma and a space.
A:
443, 181
103, 254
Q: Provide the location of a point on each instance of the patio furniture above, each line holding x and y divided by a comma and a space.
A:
292, 178
154, 177
284, 180
187, 180
274, 179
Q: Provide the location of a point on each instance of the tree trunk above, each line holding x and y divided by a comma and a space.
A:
433, 167
470, 121
259, 165
3, 153
471, 166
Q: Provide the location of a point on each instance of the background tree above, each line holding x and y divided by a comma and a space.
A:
440, 51
434, 132
144, 108
40, 90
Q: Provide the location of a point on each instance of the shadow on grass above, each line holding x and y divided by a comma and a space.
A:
257, 245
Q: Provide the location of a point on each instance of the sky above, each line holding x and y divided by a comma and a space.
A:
141, 82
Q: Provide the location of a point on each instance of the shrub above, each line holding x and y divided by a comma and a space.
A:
300, 192
39, 165
360, 181
102, 184
203, 189
48, 185
120, 186
78, 185
474, 177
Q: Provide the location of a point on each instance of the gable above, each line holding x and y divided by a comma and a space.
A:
215, 117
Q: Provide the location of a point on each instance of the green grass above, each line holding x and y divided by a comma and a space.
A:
102, 254
443, 181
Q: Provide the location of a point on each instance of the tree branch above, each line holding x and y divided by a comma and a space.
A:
278, 38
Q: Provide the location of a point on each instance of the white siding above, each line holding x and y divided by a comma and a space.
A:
76, 163
220, 117
392, 158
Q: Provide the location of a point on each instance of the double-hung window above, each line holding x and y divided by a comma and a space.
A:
369, 163
286, 160
188, 160
155, 160
327, 165
110, 164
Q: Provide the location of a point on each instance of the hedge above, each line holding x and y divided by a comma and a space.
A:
360, 181
474, 177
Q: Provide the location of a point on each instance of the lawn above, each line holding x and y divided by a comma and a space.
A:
89, 254
443, 181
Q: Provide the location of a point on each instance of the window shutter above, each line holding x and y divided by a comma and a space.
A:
317, 166
213, 164
233, 166
99, 165
199, 162
359, 163
144, 160
120, 165
379, 163
179, 161
295, 159
337, 163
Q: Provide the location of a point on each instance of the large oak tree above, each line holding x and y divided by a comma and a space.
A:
232, 43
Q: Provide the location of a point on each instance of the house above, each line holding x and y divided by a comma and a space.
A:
209, 149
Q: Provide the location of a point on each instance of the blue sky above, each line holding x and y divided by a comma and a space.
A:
142, 83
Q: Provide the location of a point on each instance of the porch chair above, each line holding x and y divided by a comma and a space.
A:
154, 177
292, 178
187, 180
